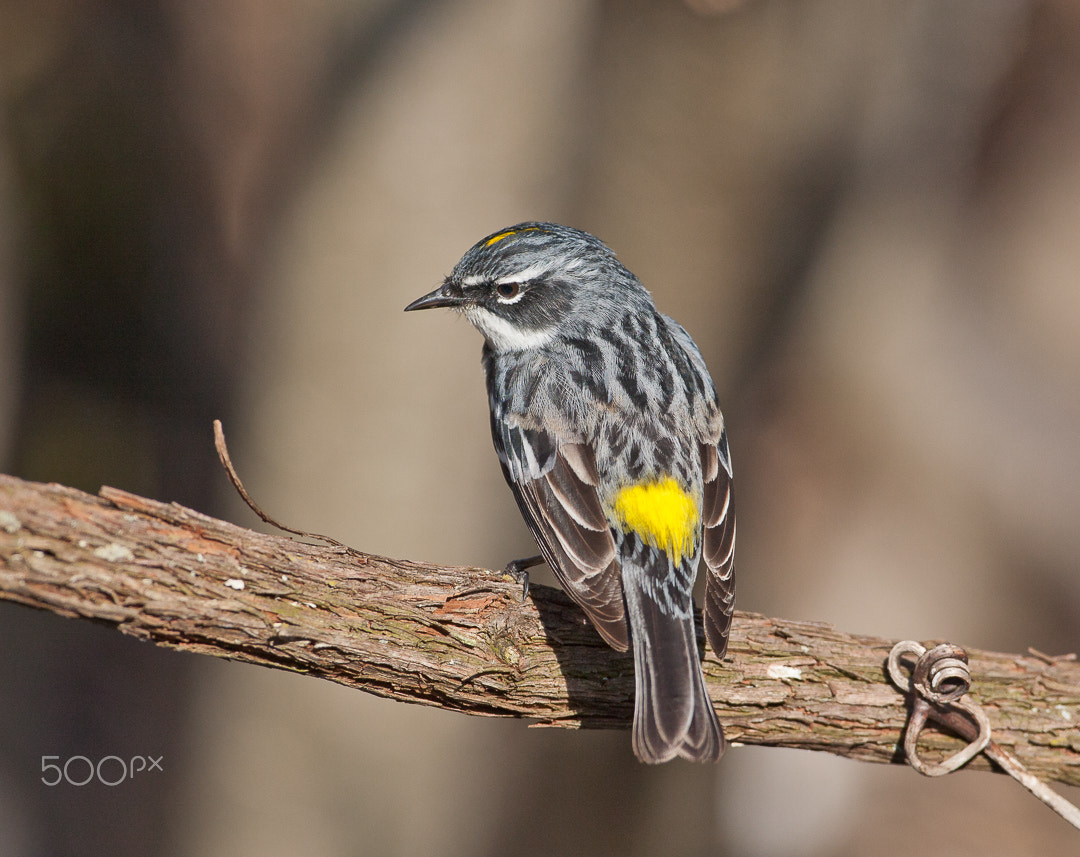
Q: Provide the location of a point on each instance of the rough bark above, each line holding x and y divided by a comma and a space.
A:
463, 639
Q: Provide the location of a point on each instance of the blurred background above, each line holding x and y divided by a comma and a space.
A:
865, 214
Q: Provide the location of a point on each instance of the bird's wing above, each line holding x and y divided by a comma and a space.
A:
555, 487
718, 548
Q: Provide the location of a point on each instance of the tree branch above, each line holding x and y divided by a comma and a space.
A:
463, 639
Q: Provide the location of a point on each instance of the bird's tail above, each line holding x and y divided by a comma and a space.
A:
673, 715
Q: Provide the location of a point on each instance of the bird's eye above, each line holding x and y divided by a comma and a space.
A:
508, 291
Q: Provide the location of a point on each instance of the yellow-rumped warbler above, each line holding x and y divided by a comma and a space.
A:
607, 427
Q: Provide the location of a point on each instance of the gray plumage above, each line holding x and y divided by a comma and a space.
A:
592, 392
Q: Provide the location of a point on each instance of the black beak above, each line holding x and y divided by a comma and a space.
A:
442, 296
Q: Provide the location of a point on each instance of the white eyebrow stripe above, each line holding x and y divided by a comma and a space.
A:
473, 280
523, 276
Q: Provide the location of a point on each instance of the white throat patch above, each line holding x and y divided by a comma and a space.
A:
504, 336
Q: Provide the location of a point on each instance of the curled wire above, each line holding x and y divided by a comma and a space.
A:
939, 683
940, 677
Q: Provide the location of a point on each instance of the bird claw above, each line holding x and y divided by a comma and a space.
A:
518, 570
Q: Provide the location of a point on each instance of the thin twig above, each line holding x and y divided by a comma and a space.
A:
234, 478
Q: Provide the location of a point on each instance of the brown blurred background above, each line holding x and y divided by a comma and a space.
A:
866, 214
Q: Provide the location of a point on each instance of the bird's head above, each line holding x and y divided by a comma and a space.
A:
523, 286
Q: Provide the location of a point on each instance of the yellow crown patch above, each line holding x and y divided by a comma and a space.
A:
662, 514
496, 238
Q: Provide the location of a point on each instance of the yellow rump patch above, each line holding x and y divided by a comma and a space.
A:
661, 513
496, 238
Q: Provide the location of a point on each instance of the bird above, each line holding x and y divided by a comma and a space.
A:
608, 432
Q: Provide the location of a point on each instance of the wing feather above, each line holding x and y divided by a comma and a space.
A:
555, 487
718, 547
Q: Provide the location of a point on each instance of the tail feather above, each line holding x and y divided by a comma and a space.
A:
673, 715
